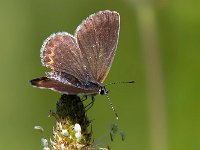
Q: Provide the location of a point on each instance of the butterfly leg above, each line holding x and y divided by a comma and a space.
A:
84, 98
88, 106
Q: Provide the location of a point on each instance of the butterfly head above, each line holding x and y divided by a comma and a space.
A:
102, 90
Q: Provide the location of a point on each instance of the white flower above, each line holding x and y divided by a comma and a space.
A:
78, 136
77, 128
62, 147
65, 133
46, 148
44, 142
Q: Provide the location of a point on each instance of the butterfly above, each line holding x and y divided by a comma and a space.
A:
80, 63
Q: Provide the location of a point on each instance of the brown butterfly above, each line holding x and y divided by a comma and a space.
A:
80, 63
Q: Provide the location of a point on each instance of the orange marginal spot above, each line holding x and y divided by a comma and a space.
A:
50, 57
51, 61
52, 54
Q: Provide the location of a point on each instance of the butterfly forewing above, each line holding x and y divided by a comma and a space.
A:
97, 38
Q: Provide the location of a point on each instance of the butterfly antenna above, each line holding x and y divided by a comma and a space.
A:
116, 115
120, 82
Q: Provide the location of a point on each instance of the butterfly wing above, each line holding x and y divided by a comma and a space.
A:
63, 83
61, 53
97, 39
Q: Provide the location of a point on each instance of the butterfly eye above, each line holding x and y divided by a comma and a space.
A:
103, 91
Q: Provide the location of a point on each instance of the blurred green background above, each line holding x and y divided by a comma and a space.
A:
158, 48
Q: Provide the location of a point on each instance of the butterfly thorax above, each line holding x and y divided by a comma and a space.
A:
94, 85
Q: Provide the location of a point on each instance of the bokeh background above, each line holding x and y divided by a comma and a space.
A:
158, 48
